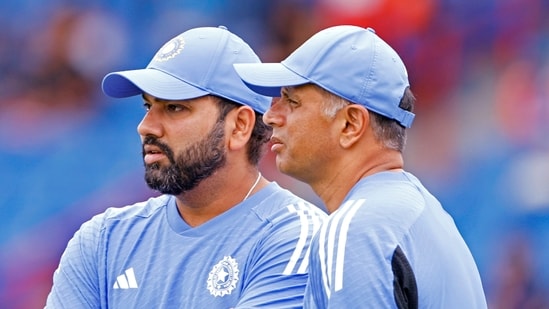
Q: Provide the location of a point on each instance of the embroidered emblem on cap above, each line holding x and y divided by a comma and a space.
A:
170, 49
223, 277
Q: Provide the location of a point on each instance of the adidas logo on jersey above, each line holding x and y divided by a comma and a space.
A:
126, 280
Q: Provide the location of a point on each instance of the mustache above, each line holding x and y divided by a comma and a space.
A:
153, 141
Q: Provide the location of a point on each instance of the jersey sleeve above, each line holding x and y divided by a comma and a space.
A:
351, 263
75, 281
277, 275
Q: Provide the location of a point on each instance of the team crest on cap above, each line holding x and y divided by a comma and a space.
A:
170, 49
223, 277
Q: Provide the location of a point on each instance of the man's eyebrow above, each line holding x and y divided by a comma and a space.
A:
152, 99
149, 98
285, 91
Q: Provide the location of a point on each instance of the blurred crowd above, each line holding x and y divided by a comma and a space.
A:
480, 142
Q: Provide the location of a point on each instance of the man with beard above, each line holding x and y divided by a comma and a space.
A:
220, 235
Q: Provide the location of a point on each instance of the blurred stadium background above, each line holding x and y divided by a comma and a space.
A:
480, 70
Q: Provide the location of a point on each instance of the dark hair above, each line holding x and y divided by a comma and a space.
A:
390, 131
260, 135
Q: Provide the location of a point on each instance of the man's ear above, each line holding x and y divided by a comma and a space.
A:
242, 122
357, 122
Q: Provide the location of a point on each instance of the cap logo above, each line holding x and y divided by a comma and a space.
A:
170, 49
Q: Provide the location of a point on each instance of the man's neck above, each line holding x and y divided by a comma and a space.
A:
217, 194
334, 188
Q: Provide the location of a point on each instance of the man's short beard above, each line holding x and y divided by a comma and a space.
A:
191, 166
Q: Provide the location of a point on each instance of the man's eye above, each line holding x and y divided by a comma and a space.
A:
147, 106
293, 102
175, 107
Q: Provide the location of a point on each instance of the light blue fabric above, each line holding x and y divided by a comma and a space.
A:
146, 256
349, 61
351, 255
195, 63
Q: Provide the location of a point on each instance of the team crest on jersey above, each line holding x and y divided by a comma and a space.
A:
170, 49
223, 277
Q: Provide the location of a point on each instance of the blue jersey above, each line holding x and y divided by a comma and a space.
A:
145, 256
391, 245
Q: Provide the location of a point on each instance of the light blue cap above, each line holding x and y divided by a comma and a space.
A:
195, 63
349, 61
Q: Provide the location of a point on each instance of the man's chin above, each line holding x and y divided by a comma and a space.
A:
155, 185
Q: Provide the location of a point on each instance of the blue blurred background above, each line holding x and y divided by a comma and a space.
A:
480, 71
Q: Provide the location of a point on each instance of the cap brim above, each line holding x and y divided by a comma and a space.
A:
154, 82
268, 78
